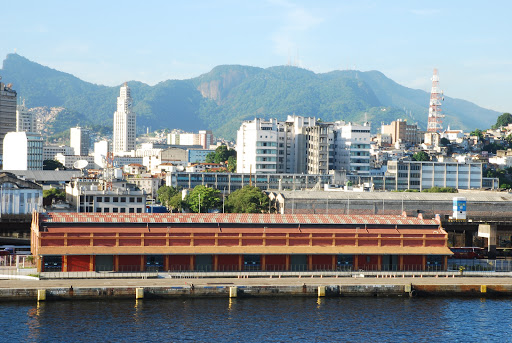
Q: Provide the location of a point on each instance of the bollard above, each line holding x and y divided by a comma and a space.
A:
483, 288
321, 291
233, 292
139, 293
41, 294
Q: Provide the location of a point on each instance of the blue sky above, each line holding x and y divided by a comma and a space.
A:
109, 42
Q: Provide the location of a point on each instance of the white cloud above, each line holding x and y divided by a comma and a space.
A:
296, 20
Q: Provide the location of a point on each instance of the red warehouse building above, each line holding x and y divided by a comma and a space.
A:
220, 242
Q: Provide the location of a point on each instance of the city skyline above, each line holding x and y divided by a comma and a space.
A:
467, 41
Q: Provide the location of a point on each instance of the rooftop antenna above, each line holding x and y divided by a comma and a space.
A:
80, 164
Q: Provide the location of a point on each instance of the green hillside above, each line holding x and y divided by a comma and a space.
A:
221, 99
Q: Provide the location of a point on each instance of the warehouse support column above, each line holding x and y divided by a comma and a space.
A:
490, 232
468, 238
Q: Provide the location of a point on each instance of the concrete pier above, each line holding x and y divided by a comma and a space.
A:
17, 290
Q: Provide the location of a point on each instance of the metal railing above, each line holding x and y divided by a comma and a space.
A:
455, 267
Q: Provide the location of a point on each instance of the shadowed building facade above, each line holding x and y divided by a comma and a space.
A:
233, 242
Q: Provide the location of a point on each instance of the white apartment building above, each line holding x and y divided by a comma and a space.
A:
23, 151
51, 151
270, 146
79, 140
352, 147
94, 195
301, 145
25, 120
124, 122
101, 149
203, 138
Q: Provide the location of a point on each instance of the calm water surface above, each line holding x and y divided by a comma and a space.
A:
260, 320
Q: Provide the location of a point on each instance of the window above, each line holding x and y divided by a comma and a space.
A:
123, 210
106, 199
131, 210
123, 199
98, 199
106, 210
139, 199
115, 210
115, 199
132, 199
139, 210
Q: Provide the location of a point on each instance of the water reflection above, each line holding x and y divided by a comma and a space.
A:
33, 323
259, 319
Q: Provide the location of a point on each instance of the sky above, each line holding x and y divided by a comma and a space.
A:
109, 42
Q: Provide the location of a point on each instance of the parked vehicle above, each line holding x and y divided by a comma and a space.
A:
468, 252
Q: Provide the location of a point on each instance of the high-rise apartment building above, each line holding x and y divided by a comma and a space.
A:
25, 120
302, 145
352, 147
23, 151
124, 122
7, 112
272, 146
79, 140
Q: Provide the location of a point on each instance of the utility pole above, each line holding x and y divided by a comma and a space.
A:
199, 195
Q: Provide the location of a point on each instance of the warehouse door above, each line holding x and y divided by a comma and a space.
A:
298, 262
104, 263
204, 263
390, 262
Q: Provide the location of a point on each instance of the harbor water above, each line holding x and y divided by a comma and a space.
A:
260, 320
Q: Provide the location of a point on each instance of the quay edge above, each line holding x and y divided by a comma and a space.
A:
223, 291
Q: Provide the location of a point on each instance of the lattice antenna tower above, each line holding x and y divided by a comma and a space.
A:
435, 116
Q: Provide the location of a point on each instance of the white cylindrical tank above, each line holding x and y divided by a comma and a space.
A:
459, 208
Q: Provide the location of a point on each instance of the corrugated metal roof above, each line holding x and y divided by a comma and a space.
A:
473, 196
46, 175
245, 218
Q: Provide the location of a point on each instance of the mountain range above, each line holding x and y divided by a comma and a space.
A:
221, 99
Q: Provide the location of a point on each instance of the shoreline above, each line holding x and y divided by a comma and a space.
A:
108, 289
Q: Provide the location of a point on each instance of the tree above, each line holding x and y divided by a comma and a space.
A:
203, 199
421, 156
232, 164
52, 165
53, 194
248, 199
166, 193
503, 120
221, 155
479, 133
210, 157
176, 202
